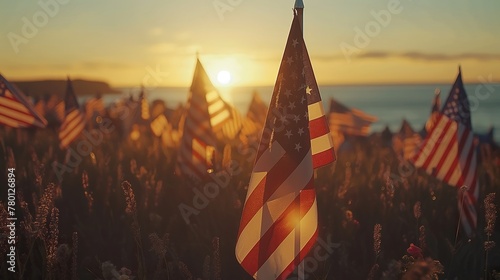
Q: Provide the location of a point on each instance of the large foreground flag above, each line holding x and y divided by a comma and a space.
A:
74, 121
15, 109
206, 113
279, 221
449, 153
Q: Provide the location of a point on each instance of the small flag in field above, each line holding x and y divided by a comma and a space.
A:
140, 110
159, 125
279, 220
40, 107
206, 114
74, 121
94, 107
436, 106
15, 109
255, 119
407, 141
232, 127
349, 121
449, 153
257, 110
144, 106
59, 111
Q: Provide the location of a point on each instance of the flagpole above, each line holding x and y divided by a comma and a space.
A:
299, 7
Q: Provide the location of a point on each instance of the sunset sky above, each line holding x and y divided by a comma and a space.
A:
124, 41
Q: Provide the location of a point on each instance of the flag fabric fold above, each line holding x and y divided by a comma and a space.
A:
74, 120
15, 108
279, 219
449, 153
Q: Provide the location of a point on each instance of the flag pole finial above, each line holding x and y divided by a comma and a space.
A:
299, 4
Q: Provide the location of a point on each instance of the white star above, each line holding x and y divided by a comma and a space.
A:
288, 134
295, 42
288, 93
308, 90
291, 105
289, 60
296, 118
302, 100
306, 115
301, 131
298, 147
283, 119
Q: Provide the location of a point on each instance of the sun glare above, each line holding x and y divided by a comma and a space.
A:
224, 77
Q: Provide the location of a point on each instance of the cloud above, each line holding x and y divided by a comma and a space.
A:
86, 65
417, 56
450, 57
103, 65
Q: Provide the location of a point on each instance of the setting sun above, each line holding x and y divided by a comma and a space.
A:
224, 77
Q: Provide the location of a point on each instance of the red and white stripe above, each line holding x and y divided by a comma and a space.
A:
321, 139
449, 154
279, 221
349, 121
74, 120
71, 127
15, 109
159, 125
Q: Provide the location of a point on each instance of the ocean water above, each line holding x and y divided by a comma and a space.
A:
389, 103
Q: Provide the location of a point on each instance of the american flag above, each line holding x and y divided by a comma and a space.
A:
255, 119
40, 107
232, 128
436, 107
15, 109
95, 107
279, 221
160, 125
74, 121
407, 141
144, 112
206, 114
349, 121
448, 153
257, 110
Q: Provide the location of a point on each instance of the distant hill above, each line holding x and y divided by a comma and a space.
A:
38, 89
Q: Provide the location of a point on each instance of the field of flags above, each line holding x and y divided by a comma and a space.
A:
137, 190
